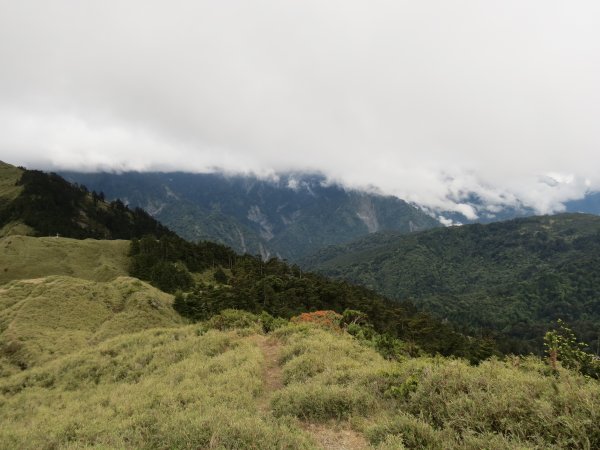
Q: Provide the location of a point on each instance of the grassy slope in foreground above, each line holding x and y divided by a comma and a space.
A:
24, 257
44, 318
191, 387
162, 388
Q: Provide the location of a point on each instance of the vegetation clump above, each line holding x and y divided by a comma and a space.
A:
562, 346
45, 318
327, 319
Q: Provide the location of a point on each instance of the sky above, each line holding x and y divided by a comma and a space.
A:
432, 101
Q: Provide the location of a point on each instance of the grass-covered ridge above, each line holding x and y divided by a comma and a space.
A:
44, 318
9, 192
24, 257
9, 176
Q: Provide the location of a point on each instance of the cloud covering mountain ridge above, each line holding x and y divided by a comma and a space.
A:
434, 102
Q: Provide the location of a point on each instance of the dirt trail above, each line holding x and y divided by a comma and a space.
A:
336, 436
328, 436
272, 376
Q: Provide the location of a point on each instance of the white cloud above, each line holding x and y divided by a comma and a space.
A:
433, 101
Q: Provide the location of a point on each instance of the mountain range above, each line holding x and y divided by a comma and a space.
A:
288, 217
513, 277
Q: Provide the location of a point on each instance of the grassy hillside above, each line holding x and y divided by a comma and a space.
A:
9, 176
24, 257
9, 192
43, 318
301, 387
157, 389
515, 277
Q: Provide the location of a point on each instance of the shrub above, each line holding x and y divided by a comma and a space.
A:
270, 323
326, 319
234, 318
500, 399
562, 345
320, 403
392, 442
414, 432
220, 276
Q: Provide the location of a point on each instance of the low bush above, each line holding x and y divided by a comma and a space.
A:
234, 319
436, 402
326, 319
414, 433
319, 402
498, 398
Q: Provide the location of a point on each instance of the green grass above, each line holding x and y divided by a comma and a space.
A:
45, 318
24, 257
162, 388
190, 386
437, 403
9, 175
208, 276
9, 191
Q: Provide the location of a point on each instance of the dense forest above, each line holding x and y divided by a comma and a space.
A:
514, 277
249, 283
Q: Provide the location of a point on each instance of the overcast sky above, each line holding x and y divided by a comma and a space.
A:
427, 100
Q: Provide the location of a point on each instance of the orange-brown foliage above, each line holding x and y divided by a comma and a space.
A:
326, 319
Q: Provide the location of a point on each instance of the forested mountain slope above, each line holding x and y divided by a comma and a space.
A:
44, 204
514, 277
288, 217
